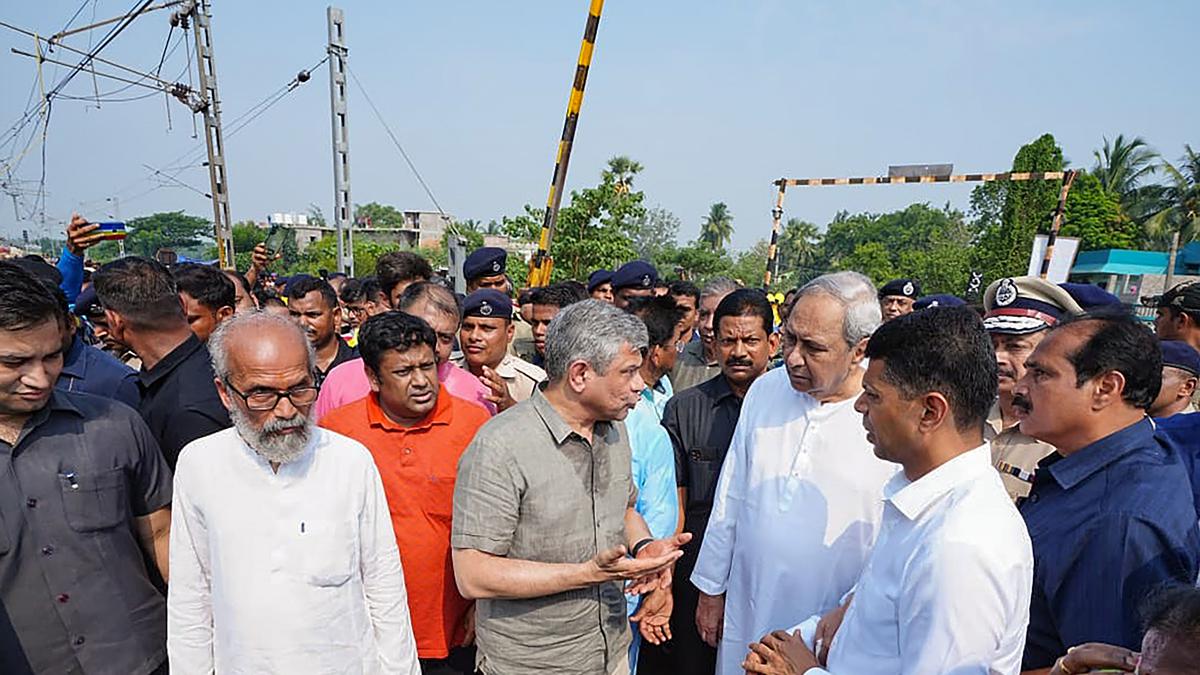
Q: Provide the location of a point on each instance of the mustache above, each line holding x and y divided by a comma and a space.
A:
1022, 402
1007, 372
275, 426
739, 362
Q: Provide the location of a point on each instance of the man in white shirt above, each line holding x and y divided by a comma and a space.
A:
286, 558
947, 586
797, 505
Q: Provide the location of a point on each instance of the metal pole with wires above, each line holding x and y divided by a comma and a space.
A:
343, 215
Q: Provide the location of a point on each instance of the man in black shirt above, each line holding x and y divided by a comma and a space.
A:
313, 303
84, 506
144, 312
700, 421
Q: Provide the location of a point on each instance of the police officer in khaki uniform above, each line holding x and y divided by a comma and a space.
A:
1019, 312
486, 332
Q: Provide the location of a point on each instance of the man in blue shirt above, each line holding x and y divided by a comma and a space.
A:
1110, 514
652, 453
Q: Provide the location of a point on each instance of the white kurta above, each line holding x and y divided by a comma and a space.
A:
288, 572
796, 511
947, 587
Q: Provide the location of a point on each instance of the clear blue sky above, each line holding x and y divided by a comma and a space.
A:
715, 99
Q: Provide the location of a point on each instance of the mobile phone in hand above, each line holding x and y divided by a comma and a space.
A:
111, 230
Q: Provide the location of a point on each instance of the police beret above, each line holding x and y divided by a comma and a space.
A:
939, 300
1185, 296
904, 287
488, 303
635, 274
1181, 355
485, 262
598, 278
1020, 305
1091, 297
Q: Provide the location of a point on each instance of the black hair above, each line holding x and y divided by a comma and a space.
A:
303, 286
579, 287
1122, 343
392, 330
661, 314
1176, 311
208, 285
1174, 611
239, 279
268, 299
366, 289
557, 295
435, 294
394, 268
26, 302
746, 302
942, 349
141, 290
525, 297
685, 288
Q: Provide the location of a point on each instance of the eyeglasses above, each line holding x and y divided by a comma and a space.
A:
261, 401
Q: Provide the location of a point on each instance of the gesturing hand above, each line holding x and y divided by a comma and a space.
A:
780, 653
498, 390
658, 548
613, 565
654, 616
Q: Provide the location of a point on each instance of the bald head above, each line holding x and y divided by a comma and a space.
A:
258, 342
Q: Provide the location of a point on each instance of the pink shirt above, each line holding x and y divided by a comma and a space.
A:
348, 383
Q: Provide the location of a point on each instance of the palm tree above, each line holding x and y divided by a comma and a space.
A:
1177, 219
798, 243
717, 228
622, 169
1121, 167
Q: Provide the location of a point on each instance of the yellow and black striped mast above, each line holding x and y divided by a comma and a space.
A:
541, 264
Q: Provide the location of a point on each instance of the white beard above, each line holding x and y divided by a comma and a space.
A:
273, 446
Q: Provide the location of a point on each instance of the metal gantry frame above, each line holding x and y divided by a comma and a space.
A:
1067, 177
213, 138
343, 208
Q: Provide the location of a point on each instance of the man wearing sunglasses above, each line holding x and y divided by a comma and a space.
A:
287, 558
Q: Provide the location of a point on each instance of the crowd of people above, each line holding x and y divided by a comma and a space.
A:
220, 472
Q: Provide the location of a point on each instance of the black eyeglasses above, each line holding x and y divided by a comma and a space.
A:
261, 401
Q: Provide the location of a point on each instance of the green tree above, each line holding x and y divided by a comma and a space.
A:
1176, 221
1121, 168
798, 246
656, 231
316, 216
622, 169
717, 228
374, 214
176, 230
1028, 207
1094, 214
322, 255
697, 261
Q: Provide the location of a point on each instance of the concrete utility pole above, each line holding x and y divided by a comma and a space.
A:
198, 12
343, 215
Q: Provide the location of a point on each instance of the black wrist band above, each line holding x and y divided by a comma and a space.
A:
639, 546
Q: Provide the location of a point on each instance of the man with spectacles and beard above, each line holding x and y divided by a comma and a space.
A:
284, 554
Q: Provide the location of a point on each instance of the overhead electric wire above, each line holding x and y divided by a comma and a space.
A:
138, 8
396, 141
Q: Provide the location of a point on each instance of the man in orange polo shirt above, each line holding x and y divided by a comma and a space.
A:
416, 432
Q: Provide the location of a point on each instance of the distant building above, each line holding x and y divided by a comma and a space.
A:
1132, 275
419, 229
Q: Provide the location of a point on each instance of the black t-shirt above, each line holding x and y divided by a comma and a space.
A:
179, 399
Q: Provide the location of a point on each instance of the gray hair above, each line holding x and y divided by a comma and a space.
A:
857, 295
250, 323
592, 331
719, 286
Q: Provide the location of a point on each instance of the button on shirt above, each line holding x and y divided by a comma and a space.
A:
947, 585
418, 465
348, 383
530, 488
179, 400
796, 511
700, 422
693, 367
1110, 523
92, 371
72, 573
288, 572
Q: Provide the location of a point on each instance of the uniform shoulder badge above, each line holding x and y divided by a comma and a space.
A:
1006, 293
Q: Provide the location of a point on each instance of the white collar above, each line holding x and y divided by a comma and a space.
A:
911, 498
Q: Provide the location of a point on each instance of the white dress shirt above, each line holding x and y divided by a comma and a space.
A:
288, 572
947, 587
796, 511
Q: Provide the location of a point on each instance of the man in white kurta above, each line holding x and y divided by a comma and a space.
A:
283, 558
798, 503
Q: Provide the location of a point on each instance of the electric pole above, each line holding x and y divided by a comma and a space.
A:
199, 14
343, 216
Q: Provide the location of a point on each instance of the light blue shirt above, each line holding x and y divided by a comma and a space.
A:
653, 472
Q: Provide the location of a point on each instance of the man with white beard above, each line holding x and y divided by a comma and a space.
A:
286, 558
799, 500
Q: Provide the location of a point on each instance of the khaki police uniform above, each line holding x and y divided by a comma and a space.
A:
521, 376
1014, 454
